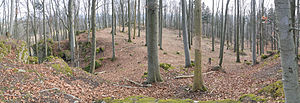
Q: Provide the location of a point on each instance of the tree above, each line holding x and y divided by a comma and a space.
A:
160, 23
223, 35
238, 33
71, 32
44, 29
129, 22
198, 81
93, 14
254, 32
11, 22
122, 14
152, 51
185, 35
113, 30
212, 27
27, 27
139, 18
134, 27
288, 57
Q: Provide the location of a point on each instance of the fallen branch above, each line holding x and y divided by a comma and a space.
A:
49, 90
138, 84
125, 86
191, 76
72, 96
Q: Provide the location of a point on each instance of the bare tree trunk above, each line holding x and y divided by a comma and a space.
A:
139, 18
44, 29
11, 24
212, 27
129, 22
185, 35
160, 24
113, 31
153, 69
253, 32
223, 35
93, 22
134, 27
71, 32
197, 80
238, 33
27, 28
122, 11
288, 57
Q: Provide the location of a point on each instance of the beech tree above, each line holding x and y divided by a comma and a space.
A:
152, 50
198, 81
93, 16
185, 35
253, 32
288, 57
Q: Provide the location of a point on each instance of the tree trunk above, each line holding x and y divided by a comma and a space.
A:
160, 24
288, 58
185, 35
223, 35
122, 17
44, 30
139, 18
71, 32
198, 81
212, 27
238, 33
93, 14
27, 28
113, 31
11, 24
129, 22
253, 32
153, 68
134, 27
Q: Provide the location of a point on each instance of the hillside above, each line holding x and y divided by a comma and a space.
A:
54, 81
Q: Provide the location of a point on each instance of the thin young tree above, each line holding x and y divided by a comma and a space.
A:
122, 15
113, 31
11, 21
238, 33
139, 18
152, 50
44, 29
71, 32
93, 22
253, 32
160, 24
185, 35
212, 27
198, 81
288, 57
223, 35
134, 25
129, 22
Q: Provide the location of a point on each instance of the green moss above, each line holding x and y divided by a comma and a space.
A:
251, 97
32, 60
63, 68
243, 53
116, 43
276, 56
101, 59
97, 65
263, 56
65, 55
193, 63
145, 75
175, 101
165, 53
166, 66
51, 58
98, 50
220, 101
274, 90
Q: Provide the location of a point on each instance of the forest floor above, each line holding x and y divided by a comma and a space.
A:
113, 79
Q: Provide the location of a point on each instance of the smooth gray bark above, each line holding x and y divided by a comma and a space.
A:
71, 32
185, 35
253, 32
93, 22
288, 57
152, 50
160, 24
